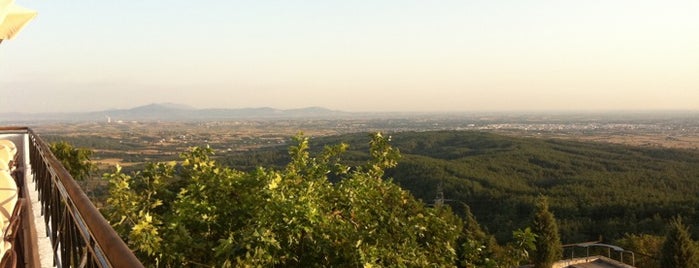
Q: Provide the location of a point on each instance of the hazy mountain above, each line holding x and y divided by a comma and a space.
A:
162, 107
177, 112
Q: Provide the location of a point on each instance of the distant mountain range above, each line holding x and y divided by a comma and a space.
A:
180, 112
177, 112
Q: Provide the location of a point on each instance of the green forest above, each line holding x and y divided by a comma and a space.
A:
199, 213
594, 189
360, 200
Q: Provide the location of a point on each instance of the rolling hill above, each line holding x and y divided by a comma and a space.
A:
595, 189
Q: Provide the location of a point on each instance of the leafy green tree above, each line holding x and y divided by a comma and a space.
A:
199, 213
548, 244
75, 160
524, 242
476, 247
472, 230
679, 250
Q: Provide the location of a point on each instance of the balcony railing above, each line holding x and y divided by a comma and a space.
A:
79, 235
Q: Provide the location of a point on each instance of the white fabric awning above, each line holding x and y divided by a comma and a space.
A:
13, 18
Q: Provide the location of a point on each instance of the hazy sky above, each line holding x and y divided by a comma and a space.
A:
86, 55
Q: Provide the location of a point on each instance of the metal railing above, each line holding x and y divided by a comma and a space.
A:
597, 244
79, 235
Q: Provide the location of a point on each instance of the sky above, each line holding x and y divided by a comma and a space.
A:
364, 56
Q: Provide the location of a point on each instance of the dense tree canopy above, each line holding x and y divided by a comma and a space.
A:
75, 160
200, 213
594, 189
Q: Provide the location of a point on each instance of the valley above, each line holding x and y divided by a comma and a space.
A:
605, 178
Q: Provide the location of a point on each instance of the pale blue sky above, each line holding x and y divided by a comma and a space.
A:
81, 55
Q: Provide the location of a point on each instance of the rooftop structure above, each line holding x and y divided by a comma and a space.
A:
51, 208
625, 257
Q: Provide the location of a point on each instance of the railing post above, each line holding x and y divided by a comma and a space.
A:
621, 256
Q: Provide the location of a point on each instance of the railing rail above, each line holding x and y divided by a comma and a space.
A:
80, 236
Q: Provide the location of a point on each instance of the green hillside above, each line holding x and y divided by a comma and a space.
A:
594, 189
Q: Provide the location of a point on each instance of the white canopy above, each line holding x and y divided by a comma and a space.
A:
13, 18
